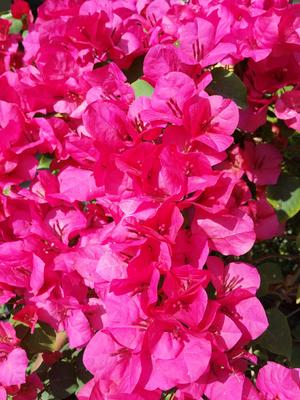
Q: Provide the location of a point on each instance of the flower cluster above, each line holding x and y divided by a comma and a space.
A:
117, 208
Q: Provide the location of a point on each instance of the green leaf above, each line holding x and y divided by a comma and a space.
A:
4, 312
295, 362
6, 191
285, 196
45, 162
5, 14
46, 396
227, 84
277, 339
168, 395
82, 374
16, 26
296, 331
142, 88
284, 89
135, 71
25, 184
62, 379
42, 339
270, 274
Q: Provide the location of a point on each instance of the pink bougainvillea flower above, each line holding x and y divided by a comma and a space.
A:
19, 9
107, 124
12, 123
287, 107
99, 389
13, 360
232, 277
228, 233
266, 223
276, 381
190, 249
66, 224
236, 285
161, 59
174, 356
251, 118
15, 264
236, 386
227, 334
4, 29
262, 37
170, 94
70, 188
201, 42
28, 316
112, 202
211, 121
262, 163
116, 362
3, 394
29, 390
253, 323
75, 322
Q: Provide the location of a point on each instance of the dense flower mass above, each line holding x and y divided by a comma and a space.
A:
118, 204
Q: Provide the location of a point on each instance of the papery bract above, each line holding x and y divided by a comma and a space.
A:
118, 205
13, 360
275, 380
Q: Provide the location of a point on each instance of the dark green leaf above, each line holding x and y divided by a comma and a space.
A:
101, 64
142, 88
296, 331
25, 184
168, 395
277, 339
82, 374
295, 363
270, 273
62, 380
42, 339
135, 71
285, 196
229, 85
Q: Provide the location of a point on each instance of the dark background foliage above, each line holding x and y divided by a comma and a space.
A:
4, 5
278, 261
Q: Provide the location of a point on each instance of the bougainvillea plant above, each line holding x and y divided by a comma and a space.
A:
149, 191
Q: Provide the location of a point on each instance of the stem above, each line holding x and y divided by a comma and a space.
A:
293, 312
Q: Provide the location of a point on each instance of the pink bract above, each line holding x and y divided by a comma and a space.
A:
123, 210
275, 380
